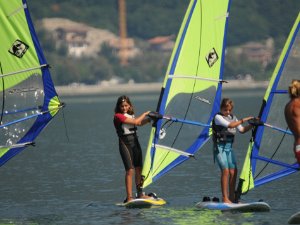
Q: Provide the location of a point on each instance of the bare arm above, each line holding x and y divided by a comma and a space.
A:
244, 129
139, 121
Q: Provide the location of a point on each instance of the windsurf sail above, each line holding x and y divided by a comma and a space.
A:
191, 91
28, 100
270, 153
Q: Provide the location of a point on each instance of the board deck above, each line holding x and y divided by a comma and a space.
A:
295, 218
143, 203
241, 207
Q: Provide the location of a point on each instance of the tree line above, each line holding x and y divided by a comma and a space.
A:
251, 20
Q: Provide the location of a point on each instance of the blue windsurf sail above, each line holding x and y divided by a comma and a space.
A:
28, 100
191, 91
270, 153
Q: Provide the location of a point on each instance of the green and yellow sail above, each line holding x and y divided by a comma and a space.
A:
191, 90
27, 94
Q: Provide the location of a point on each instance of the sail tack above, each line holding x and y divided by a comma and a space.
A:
28, 100
270, 155
191, 89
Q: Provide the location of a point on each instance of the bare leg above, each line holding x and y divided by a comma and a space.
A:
138, 175
232, 181
224, 185
128, 183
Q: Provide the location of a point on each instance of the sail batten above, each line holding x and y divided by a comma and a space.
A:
17, 145
22, 71
275, 162
20, 120
194, 77
17, 10
286, 131
20, 111
191, 90
180, 152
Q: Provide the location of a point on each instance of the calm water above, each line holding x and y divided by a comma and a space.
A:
80, 180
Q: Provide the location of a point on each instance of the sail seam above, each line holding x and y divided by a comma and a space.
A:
24, 6
226, 15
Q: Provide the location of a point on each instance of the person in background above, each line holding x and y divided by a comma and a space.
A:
224, 126
292, 115
125, 124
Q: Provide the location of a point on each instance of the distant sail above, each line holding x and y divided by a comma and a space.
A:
270, 154
28, 100
191, 90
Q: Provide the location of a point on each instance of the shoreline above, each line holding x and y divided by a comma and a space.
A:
81, 89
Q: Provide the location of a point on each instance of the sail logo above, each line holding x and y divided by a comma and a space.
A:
211, 57
18, 48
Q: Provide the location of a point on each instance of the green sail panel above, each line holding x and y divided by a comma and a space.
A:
17, 43
191, 90
27, 94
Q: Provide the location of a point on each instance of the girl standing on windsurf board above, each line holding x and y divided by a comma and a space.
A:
224, 126
129, 146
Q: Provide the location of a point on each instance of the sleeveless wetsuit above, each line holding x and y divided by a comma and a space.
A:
129, 146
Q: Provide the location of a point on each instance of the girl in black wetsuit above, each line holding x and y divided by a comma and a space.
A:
129, 146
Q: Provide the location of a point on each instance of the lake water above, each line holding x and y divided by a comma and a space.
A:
79, 181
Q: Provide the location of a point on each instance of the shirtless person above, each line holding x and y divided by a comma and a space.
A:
292, 115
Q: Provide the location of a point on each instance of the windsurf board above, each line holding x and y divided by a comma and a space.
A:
241, 207
295, 218
143, 203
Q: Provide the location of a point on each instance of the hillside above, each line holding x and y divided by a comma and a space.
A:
251, 21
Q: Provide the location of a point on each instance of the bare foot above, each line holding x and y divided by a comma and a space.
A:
144, 196
226, 200
128, 199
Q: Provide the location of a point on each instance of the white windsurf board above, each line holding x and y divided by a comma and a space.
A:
241, 207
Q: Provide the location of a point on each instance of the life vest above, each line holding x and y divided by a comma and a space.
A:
221, 133
126, 129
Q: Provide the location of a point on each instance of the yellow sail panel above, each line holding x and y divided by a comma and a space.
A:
191, 89
27, 94
18, 43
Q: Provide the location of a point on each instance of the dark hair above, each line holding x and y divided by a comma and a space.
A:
226, 102
122, 99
